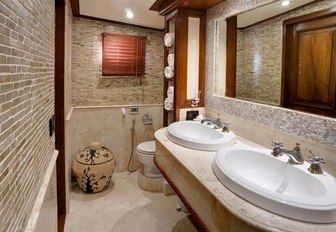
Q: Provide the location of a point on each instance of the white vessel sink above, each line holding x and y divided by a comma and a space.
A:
198, 136
273, 184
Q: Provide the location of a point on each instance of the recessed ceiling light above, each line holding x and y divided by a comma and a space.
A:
285, 3
129, 14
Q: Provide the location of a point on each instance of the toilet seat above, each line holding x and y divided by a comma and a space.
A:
146, 148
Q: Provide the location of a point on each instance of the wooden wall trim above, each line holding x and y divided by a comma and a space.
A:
231, 56
315, 15
164, 7
202, 42
169, 6
59, 110
75, 7
181, 57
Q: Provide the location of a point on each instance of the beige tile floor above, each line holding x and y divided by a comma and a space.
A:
124, 207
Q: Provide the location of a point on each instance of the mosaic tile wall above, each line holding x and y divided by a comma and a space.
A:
259, 56
316, 128
90, 88
26, 103
259, 64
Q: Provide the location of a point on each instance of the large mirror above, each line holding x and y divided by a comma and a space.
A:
259, 51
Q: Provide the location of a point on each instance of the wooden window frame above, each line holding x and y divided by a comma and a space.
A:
134, 52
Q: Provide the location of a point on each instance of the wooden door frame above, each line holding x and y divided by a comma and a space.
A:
231, 57
287, 46
59, 110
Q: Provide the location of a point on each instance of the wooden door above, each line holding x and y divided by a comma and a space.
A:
311, 66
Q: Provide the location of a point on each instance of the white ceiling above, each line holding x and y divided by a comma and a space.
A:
116, 9
267, 11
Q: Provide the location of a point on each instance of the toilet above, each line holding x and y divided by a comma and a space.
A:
146, 152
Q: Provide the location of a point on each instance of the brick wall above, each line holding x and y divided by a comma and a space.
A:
90, 88
259, 56
26, 104
68, 57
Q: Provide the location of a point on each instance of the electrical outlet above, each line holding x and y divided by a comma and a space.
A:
134, 110
192, 114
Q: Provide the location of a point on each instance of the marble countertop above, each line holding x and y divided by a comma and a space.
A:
199, 164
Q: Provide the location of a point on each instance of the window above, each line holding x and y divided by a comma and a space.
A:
123, 55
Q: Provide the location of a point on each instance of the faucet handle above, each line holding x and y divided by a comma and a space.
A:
219, 122
315, 160
225, 127
277, 148
315, 164
205, 119
277, 144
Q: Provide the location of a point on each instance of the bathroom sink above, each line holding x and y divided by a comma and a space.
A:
277, 186
198, 136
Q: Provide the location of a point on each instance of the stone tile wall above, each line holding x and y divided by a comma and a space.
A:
68, 58
26, 104
90, 88
111, 128
259, 56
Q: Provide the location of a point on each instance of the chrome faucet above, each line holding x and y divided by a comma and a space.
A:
225, 127
210, 121
315, 164
295, 156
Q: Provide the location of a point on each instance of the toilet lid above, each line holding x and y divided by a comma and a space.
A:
146, 147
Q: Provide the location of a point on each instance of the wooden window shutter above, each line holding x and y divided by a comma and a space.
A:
123, 55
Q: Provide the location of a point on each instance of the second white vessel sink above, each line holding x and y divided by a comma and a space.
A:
273, 184
198, 136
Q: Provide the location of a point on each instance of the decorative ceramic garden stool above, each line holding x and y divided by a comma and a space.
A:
93, 168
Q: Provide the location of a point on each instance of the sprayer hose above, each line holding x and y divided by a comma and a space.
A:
131, 156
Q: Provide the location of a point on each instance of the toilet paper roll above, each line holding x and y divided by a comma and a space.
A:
169, 39
168, 104
170, 93
168, 72
170, 60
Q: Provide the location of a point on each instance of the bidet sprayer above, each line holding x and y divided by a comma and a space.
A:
133, 125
